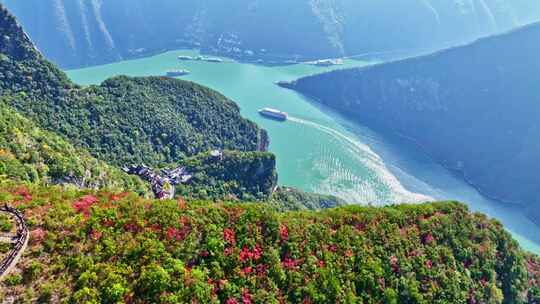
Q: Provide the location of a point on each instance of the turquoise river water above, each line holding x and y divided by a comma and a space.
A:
319, 151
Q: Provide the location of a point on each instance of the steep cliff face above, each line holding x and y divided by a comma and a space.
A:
474, 108
69, 32
247, 176
78, 33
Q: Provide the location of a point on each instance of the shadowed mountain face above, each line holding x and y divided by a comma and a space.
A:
78, 33
474, 108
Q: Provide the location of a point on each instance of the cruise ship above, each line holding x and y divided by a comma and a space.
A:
274, 114
176, 73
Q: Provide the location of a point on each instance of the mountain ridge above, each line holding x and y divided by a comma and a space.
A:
337, 28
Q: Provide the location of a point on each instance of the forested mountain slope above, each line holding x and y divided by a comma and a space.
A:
158, 121
78, 33
152, 120
474, 108
29, 154
89, 247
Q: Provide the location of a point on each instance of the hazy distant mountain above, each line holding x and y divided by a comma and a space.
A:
76, 32
474, 108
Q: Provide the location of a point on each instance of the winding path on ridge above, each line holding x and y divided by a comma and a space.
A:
19, 241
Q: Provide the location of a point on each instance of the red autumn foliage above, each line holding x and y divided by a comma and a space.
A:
246, 297
84, 204
332, 248
229, 236
171, 233
37, 235
117, 196
289, 263
532, 267
155, 227
231, 301
96, 235
360, 227
247, 270
107, 223
257, 252
283, 232
428, 239
412, 253
178, 234
261, 270
24, 193
184, 220
132, 227
247, 254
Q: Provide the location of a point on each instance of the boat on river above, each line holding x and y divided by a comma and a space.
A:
274, 114
182, 57
177, 73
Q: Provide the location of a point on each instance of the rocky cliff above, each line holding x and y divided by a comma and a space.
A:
473, 108
76, 33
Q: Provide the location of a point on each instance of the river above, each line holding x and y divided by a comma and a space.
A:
318, 150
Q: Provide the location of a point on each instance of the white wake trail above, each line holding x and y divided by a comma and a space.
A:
362, 190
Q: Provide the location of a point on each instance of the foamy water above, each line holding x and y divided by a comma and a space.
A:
342, 182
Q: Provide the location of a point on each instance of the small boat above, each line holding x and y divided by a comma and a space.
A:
181, 57
274, 114
176, 73
210, 59
327, 62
